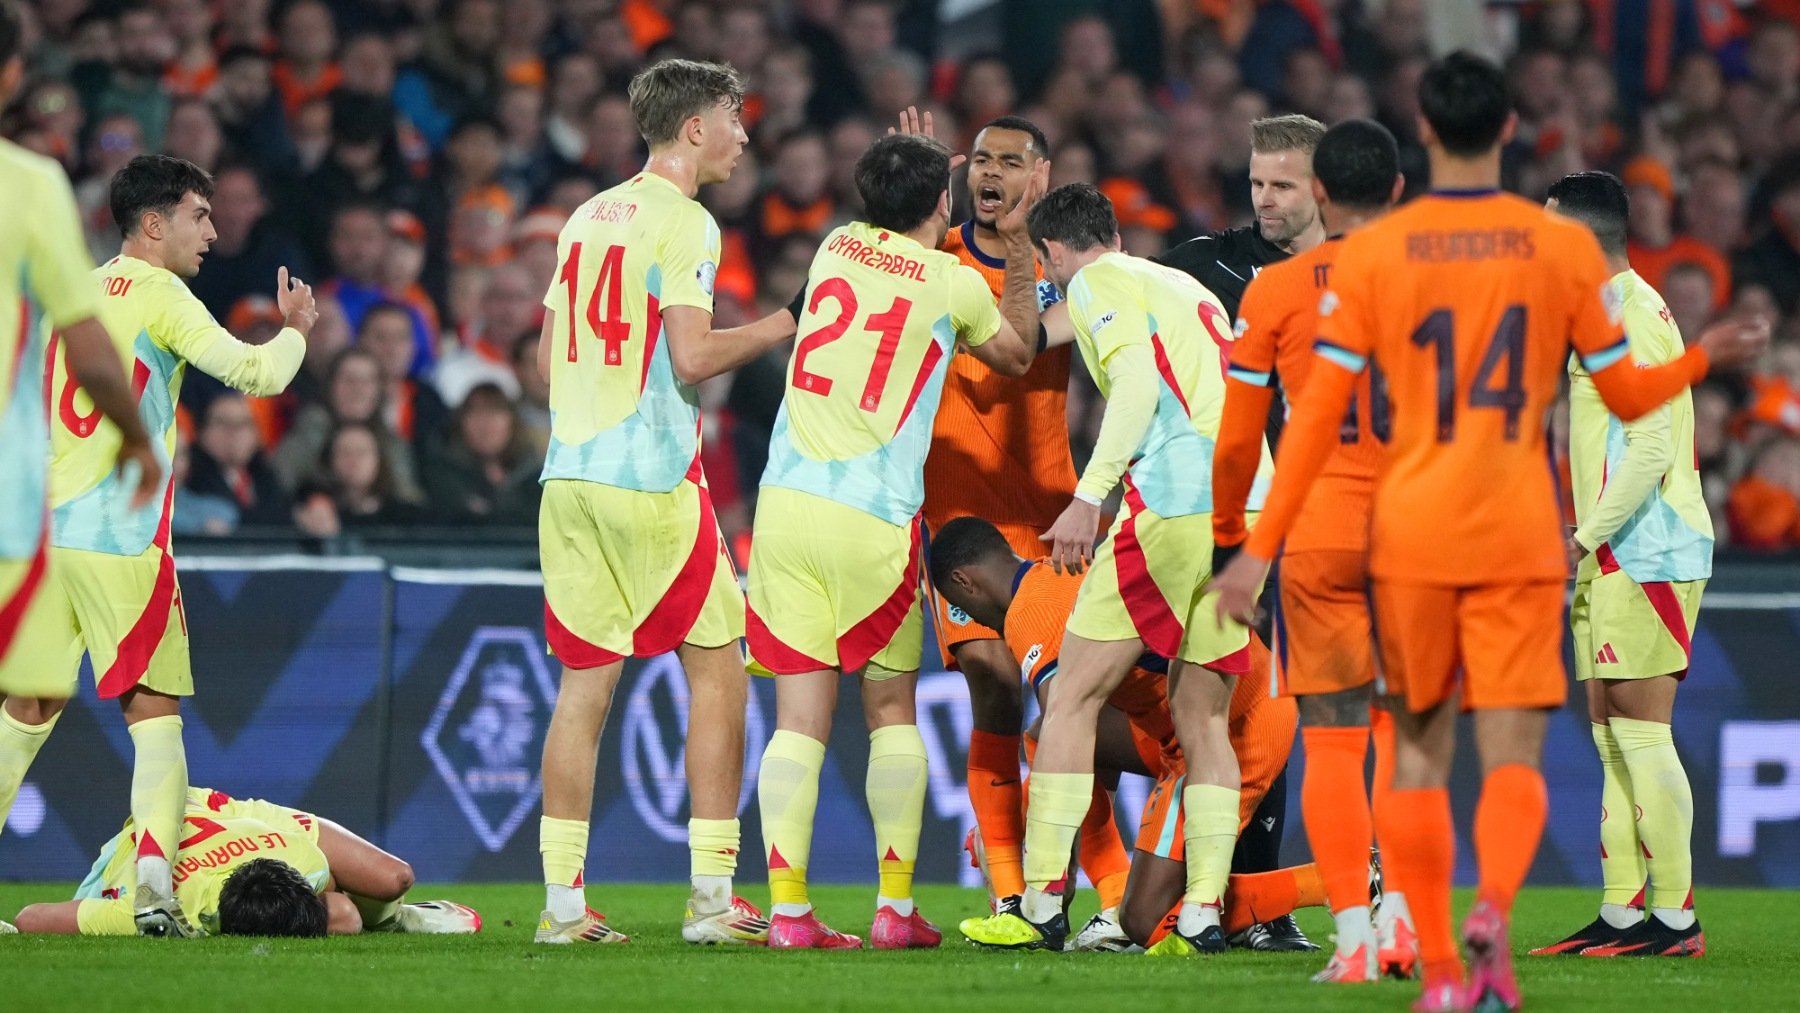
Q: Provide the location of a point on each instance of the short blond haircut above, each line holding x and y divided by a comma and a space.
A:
1293, 132
664, 96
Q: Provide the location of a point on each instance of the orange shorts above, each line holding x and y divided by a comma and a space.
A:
951, 624
1323, 642
1505, 641
1262, 735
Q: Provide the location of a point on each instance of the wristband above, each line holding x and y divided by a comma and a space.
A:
798, 306
1043, 338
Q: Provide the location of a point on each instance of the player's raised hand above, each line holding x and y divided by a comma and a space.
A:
295, 300
1071, 538
1011, 224
1237, 588
914, 122
1732, 343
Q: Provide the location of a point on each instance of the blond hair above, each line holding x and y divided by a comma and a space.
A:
1293, 132
664, 96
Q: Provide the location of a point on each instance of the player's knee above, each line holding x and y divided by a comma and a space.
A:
1347, 708
342, 917
1139, 921
33, 710
1069, 693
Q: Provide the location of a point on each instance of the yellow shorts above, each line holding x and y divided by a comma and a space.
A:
1145, 585
24, 598
832, 587
123, 611
1627, 630
629, 573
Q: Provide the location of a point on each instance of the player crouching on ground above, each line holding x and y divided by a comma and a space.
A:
974, 568
247, 867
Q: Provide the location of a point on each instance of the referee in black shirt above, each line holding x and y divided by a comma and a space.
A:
1287, 222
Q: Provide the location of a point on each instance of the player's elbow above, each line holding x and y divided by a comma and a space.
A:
1017, 360
689, 365
396, 879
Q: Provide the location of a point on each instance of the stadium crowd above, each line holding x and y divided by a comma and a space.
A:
414, 159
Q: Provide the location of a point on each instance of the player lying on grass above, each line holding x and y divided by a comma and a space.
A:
974, 568
247, 867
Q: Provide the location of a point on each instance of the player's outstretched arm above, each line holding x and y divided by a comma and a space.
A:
1631, 392
699, 352
62, 918
1305, 446
94, 363
258, 370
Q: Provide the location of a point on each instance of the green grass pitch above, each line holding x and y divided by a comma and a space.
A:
1749, 935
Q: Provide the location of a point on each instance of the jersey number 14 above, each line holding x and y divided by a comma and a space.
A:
613, 330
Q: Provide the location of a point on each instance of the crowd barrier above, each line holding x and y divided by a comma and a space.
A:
410, 705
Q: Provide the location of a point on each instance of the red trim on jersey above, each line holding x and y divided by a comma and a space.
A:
1668, 609
1167, 369
772, 654
652, 331
874, 631
1156, 623
1603, 555
570, 649
146, 633
1235, 663
673, 617
932, 354
13, 612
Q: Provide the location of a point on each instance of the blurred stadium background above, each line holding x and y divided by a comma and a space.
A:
367, 625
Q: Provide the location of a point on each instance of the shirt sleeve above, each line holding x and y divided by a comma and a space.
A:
973, 313
1106, 306
60, 271
188, 330
1649, 440
690, 262
106, 917
1249, 393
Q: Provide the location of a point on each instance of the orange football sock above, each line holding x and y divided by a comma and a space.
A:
1101, 851
1509, 822
1336, 811
1418, 840
999, 804
1265, 896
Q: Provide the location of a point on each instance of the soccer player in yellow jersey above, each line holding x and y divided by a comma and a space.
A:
633, 561
1642, 553
1155, 340
250, 867
834, 575
43, 277
115, 596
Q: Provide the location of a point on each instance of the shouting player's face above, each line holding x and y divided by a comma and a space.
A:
1281, 189
722, 141
998, 169
187, 233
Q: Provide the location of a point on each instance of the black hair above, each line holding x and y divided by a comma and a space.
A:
12, 31
1466, 100
1039, 142
1075, 214
1357, 162
266, 897
964, 541
1597, 200
388, 306
900, 179
239, 52
154, 183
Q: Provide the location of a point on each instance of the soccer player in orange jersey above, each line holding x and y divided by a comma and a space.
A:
1470, 299
1322, 635
976, 568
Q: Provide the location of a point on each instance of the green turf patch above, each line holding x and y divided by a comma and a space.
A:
1749, 956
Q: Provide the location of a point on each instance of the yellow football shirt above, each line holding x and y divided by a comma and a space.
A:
883, 316
618, 414
159, 327
44, 268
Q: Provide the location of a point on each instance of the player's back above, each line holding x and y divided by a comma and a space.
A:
618, 413
1469, 302
1000, 446
882, 318
1190, 338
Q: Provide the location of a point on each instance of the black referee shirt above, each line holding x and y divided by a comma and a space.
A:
1224, 262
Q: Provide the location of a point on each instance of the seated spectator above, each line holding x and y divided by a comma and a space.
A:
353, 486
1654, 247
359, 246
534, 394
227, 463
511, 306
1765, 504
485, 472
352, 394
534, 242
196, 513
411, 409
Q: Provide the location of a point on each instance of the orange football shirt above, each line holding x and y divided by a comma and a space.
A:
1000, 446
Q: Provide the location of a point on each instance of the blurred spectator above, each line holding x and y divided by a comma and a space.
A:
1654, 246
534, 395
354, 486
131, 85
849, 139
227, 464
574, 84
359, 244
614, 151
194, 68
353, 394
1712, 210
196, 513
411, 409
458, 72
250, 247
485, 472
250, 113
510, 308
1765, 505
526, 161
305, 70
1687, 288
116, 139
1774, 259
799, 201
402, 267
784, 87
193, 134
534, 243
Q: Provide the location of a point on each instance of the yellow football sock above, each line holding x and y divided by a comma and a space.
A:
563, 844
1210, 828
787, 793
1659, 786
377, 915
1058, 804
1621, 859
159, 783
713, 847
896, 792
19, 745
